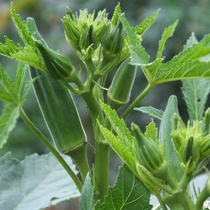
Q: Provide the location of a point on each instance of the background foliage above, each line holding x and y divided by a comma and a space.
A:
193, 17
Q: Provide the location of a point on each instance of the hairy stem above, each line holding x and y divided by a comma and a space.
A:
52, 149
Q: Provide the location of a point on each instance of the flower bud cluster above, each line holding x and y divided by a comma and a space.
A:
192, 142
94, 37
84, 32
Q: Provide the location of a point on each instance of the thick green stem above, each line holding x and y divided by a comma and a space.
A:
52, 149
101, 171
79, 156
137, 100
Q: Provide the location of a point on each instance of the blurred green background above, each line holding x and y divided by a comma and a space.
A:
193, 17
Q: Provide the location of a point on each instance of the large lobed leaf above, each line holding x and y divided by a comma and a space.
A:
192, 62
34, 183
14, 94
8, 121
86, 199
195, 94
128, 193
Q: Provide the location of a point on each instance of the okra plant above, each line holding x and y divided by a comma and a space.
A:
160, 162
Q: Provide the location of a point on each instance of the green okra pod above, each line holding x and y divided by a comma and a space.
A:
60, 113
120, 90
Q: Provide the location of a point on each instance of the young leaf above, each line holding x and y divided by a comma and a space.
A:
157, 113
195, 94
86, 199
51, 183
125, 153
128, 193
140, 29
151, 132
132, 36
168, 32
119, 126
7, 122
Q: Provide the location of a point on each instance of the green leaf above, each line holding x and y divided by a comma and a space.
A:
165, 136
8, 47
28, 54
168, 32
8, 85
151, 132
146, 23
21, 27
119, 127
15, 92
4, 96
7, 122
193, 62
157, 113
132, 36
195, 94
125, 153
20, 77
139, 56
34, 183
86, 199
191, 41
128, 193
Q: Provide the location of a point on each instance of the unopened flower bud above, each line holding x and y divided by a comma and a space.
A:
72, 31
204, 146
189, 155
59, 66
113, 43
150, 154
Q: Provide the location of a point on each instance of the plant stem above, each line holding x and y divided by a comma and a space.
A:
162, 204
51, 148
102, 150
202, 197
137, 100
101, 171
